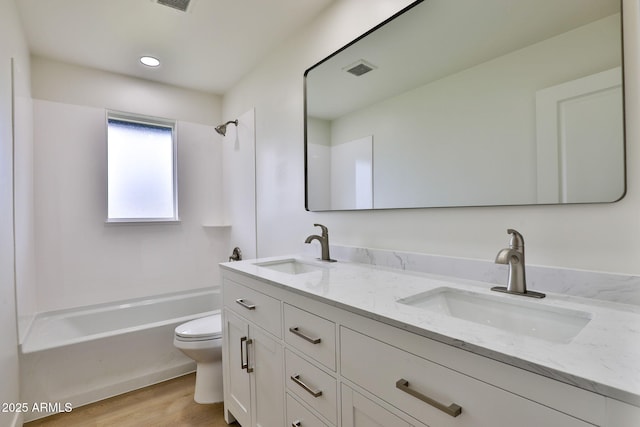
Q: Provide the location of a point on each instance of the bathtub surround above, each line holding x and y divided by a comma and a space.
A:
239, 183
80, 260
24, 201
124, 347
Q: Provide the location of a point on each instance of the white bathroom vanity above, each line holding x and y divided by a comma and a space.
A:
345, 344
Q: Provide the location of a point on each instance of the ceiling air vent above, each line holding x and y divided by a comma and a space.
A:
359, 68
180, 5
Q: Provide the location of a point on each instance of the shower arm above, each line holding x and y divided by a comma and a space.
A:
222, 129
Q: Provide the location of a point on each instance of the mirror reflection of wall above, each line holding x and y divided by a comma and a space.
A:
477, 128
343, 172
579, 133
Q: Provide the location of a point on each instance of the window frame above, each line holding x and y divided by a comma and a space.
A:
148, 121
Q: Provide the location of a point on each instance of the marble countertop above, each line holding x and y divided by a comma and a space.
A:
604, 357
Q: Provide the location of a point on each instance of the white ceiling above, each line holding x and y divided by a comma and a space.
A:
208, 48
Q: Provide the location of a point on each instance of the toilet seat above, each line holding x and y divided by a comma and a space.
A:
203, 329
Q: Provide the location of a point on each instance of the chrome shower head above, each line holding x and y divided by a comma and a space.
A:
222, 129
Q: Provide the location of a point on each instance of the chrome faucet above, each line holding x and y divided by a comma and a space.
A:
324, 242
514, 257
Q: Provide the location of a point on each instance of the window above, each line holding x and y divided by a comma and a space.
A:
141, 169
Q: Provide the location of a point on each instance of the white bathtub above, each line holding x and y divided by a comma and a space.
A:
65, 327
83, 355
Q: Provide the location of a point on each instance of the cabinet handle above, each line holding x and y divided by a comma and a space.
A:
297, 332
315, 393
296, 423
243, 303
244, 365
453, 409
249, 370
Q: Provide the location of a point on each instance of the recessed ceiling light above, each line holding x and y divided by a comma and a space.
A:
149, 61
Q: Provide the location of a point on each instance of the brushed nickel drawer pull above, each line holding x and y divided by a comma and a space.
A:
296, 423
243, 303
297, 332
315, 393
453, 409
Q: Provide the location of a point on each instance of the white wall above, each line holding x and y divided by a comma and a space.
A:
61, 82
12, 45
352, 174
81, 260
595, 237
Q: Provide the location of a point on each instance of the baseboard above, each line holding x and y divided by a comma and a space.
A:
17, 420
116, 389
132, 384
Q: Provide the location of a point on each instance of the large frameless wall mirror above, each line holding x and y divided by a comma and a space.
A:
470, 103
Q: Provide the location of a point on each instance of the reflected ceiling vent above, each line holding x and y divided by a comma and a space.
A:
181, 5
359, 68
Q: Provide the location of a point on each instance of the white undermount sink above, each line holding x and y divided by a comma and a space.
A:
529, 318
290, 266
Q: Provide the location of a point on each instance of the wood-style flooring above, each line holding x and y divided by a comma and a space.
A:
169, 403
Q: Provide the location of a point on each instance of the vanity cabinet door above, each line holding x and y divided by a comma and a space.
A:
266, 360
253, 374
237, 383
621, 414
358, 411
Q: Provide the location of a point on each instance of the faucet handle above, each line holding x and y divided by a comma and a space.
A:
325, 230
517, 241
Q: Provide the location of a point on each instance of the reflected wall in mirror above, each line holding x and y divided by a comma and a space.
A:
470, 103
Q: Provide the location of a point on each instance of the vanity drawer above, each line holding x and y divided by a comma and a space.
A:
312, 385
311, 334
358, 411
254, 306
407, 382
299, 416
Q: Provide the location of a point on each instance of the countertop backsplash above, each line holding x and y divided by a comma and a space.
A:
619, 288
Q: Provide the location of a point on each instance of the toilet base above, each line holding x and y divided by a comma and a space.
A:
209, 382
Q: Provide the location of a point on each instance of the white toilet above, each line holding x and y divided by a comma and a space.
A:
201, 340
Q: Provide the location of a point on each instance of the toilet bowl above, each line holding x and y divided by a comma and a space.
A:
201, 340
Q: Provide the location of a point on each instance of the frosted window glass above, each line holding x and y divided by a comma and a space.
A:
140, 171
